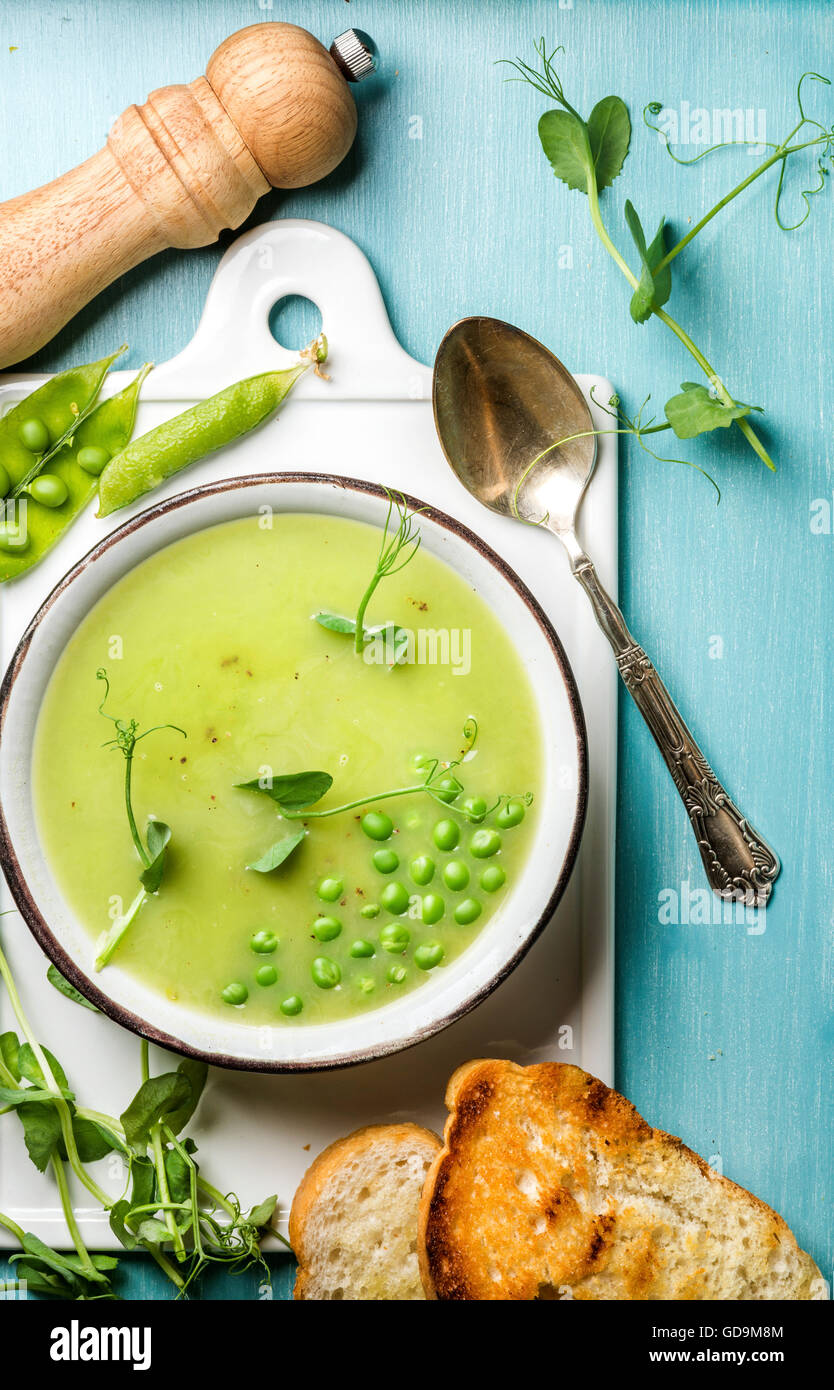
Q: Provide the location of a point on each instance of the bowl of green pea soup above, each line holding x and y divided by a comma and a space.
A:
293, 772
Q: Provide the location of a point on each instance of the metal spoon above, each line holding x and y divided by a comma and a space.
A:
501, 401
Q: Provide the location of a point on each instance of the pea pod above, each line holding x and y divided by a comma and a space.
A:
57, 407
104, 430
205, 427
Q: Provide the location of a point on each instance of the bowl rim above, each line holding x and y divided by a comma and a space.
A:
125, 1017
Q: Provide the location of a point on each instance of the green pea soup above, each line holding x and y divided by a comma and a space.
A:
214, 634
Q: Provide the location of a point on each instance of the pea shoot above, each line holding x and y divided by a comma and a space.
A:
168, 1208
589, 154
296, 793
153, 850
396, 550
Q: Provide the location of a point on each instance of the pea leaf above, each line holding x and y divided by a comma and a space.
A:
277, 853
335, 623
609, 131
153, 1232
294, 791
564, 140
157, 1098
195, 1073
30, 1068
118, 1224
91, 1140
262, 1214
64, 987
574, 146
178, 1173
695, 411
158, 836
652, 290
41, 1132
143, 1182
9, 1049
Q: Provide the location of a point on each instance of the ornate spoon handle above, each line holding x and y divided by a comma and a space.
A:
739, 863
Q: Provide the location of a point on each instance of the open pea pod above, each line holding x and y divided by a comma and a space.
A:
102, 433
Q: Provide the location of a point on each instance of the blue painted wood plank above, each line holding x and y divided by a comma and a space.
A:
724, 1030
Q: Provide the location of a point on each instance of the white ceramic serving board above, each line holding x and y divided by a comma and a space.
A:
372, 420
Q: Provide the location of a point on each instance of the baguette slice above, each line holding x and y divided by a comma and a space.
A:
353, 1224
550, 1185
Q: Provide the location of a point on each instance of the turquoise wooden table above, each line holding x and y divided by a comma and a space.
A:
724, 1034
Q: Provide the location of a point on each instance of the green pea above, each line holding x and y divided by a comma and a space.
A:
377, 826
475, 807
492, 878
427, 956
266, 975
92, 459
366, 984
433, 908
395, 974
5, 481
292, 1005
512, 813
394, 938
484, 844
325, 972
446, 834
330, 889
455, 875
422, 869
34, 436
386, 861
447, 789
467, 911
369, 910
362, 948
49, 490
394, 898
235, 993
11, 537
327, 928
263, 943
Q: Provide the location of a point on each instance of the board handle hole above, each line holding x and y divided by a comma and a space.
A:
294, 321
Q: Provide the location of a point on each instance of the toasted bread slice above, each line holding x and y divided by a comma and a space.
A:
550, 1185
353, 1224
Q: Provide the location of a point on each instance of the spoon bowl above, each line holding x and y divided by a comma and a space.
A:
501, 401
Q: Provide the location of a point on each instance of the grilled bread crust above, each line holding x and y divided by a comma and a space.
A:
550, 1185
353, 1223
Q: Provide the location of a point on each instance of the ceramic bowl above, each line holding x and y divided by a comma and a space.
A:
447, 994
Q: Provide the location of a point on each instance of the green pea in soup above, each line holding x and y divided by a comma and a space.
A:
434, 752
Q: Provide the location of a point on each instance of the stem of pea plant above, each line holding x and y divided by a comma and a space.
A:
60, 1103
359, 635
783, 152
131, 820
680, 333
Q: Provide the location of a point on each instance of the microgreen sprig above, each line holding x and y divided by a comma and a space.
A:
589, 155
396, 550
295, 793
167, 1207
153, 850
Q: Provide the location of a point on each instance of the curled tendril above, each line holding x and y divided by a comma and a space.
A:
127, 736
654, 108
824, 138
638, 427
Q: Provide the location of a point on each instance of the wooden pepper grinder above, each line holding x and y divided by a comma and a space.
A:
274, 108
